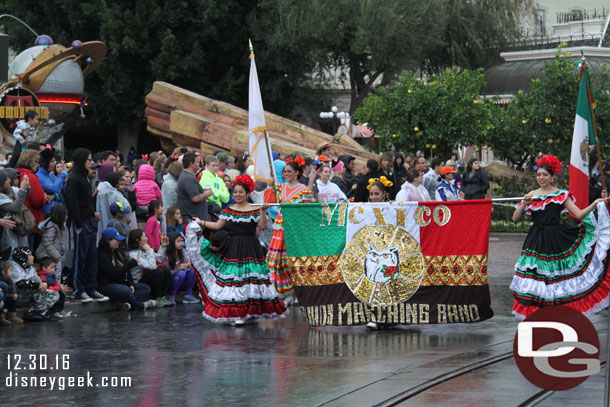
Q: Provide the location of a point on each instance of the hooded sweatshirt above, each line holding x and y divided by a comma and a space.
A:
107, 195
169, 191
50, 243
146, 188
81, 206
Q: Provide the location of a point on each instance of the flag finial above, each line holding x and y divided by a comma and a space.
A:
251, 48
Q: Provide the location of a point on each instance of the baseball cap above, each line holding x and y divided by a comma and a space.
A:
111, 233
447, 170
116, 207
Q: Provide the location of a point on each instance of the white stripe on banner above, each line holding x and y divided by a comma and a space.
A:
581, 133
378, 214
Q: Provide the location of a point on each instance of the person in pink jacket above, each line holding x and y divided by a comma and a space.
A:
146, 188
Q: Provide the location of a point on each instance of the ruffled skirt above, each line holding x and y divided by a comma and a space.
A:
233, 287
278, 262
564, 265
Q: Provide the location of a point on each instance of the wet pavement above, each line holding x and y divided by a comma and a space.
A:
175, 357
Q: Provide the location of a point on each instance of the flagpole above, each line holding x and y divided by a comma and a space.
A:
267, 143
590, 96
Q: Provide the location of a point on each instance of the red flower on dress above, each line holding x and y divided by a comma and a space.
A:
551, 161
246, 180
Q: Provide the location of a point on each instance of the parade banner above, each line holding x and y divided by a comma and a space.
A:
409, 263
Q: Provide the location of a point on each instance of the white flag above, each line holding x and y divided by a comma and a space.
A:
257, 127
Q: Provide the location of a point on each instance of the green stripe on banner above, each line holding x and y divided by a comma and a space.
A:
308, 231
583, 107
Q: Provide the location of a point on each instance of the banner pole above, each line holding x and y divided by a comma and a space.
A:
271, 168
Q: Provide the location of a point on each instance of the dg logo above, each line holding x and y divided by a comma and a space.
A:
557, 348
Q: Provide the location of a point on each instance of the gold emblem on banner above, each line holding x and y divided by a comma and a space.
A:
382, 265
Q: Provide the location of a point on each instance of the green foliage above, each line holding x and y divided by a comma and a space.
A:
541, 119
438, 114
370, 40
477, 31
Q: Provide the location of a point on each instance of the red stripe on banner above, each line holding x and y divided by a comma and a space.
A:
579, 186
466, 232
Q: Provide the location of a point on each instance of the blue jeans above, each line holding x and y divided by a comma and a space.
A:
85, 258
122, 293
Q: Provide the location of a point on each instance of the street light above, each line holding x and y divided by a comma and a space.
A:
344, 119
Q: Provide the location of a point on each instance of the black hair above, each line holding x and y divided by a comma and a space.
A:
382, 187
105, 154
399, 156
244, 186
30, 114
436, 162
188, 159
379, 185
372, 165
113, 178
133, 241
153, 205
58, 216
173, 256
294, 166
46, 261
469, 165
118, 254
546, 167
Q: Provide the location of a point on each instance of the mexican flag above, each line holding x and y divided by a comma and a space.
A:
409, 263
583, 136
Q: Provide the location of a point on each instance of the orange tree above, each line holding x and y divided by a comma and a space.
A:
541, 119
435, 115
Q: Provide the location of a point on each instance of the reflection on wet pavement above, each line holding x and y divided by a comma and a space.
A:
174, 357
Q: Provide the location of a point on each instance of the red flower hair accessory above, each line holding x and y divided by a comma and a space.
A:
289, 160
551, 161
145, 157
300, 161
246, 180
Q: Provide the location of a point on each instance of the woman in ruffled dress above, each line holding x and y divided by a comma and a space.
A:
233, 277
561, 264
292, 191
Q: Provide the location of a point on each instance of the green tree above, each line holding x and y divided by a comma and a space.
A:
541, 119
476, 32
367, 41
436, 115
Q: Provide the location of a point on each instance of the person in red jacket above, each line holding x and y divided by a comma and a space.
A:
28, 165
47, 275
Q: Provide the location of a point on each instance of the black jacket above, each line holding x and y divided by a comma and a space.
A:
362, 193
475, 185
81, 205
108, 273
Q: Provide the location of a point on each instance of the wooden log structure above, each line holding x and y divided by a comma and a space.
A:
189, 119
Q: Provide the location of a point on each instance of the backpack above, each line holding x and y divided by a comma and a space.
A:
24, 222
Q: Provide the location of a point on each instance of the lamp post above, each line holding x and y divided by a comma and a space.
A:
344, 118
